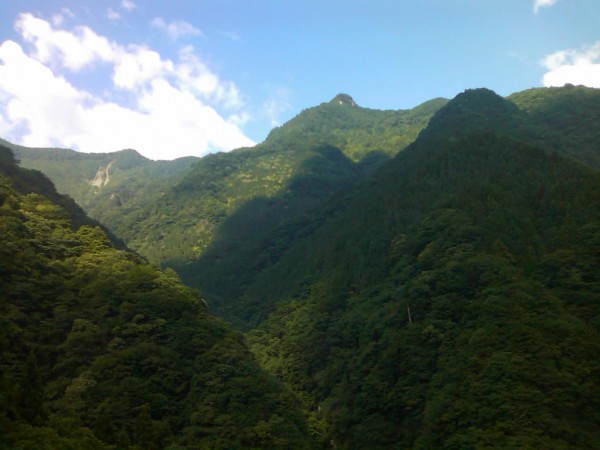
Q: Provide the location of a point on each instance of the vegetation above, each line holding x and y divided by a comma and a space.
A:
449, 302
98, 181
417, 279
566, 117
170, 211
100, 350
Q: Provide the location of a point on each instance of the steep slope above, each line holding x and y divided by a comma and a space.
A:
295, 169
567, 117
449, 301
170, 214
229, 280
99, 349
93, 179
110, 187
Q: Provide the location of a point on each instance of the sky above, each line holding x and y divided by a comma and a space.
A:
192, 77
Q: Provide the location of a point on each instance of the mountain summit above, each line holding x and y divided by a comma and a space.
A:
343, 99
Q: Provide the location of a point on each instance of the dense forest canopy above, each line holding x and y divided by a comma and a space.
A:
170, 211
427, 278
102, 350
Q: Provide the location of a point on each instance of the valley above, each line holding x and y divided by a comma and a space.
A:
423, 278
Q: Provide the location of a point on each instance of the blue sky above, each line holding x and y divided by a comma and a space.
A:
190, 77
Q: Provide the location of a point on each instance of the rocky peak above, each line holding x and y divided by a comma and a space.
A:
343, 99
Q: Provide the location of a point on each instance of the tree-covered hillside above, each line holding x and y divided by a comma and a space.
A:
104, 184
299, 165
240, 251
358, 132
442, 296
100, 350
170, 213
450, 301
567, 117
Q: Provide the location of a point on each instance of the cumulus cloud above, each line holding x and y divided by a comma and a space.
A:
575, 66
45, 105
176, 29
137, 66
73, 50
542, 3
173, 110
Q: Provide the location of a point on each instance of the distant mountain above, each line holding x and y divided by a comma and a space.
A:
567, 118
170, 211
100, 350
300, 164
255, 235
105, 184
357, 132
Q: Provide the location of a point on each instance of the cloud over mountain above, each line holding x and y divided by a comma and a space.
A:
575, 66
171, 108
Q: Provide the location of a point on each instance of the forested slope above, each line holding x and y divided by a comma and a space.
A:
108, 186
567, 117
298, 166
447, 297
98, 349
235, 273
170, 211
450, 301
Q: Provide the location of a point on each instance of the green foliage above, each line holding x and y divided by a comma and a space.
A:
566, 119
447, 298
450, 302
101, 350
357, 131
172, 214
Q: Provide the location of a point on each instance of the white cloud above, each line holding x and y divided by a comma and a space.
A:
137, 66
128, 5
59, 19
176, 29
173, 111
239, 119
193, 75
45, 105
542, 3
575, 66
232, 35
73, 50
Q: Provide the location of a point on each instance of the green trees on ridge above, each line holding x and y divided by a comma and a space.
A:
102, 350
442, 296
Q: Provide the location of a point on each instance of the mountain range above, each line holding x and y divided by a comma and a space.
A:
424, 278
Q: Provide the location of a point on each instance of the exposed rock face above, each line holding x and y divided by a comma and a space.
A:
343, 99
102, 177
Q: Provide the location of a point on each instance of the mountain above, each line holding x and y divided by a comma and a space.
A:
170, 212
358, 132
418, 279
450, 300
256, 235
108, 186
567, 117
101, 350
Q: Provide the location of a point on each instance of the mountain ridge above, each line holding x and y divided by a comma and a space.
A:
101, 350
418, 279
405, 290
